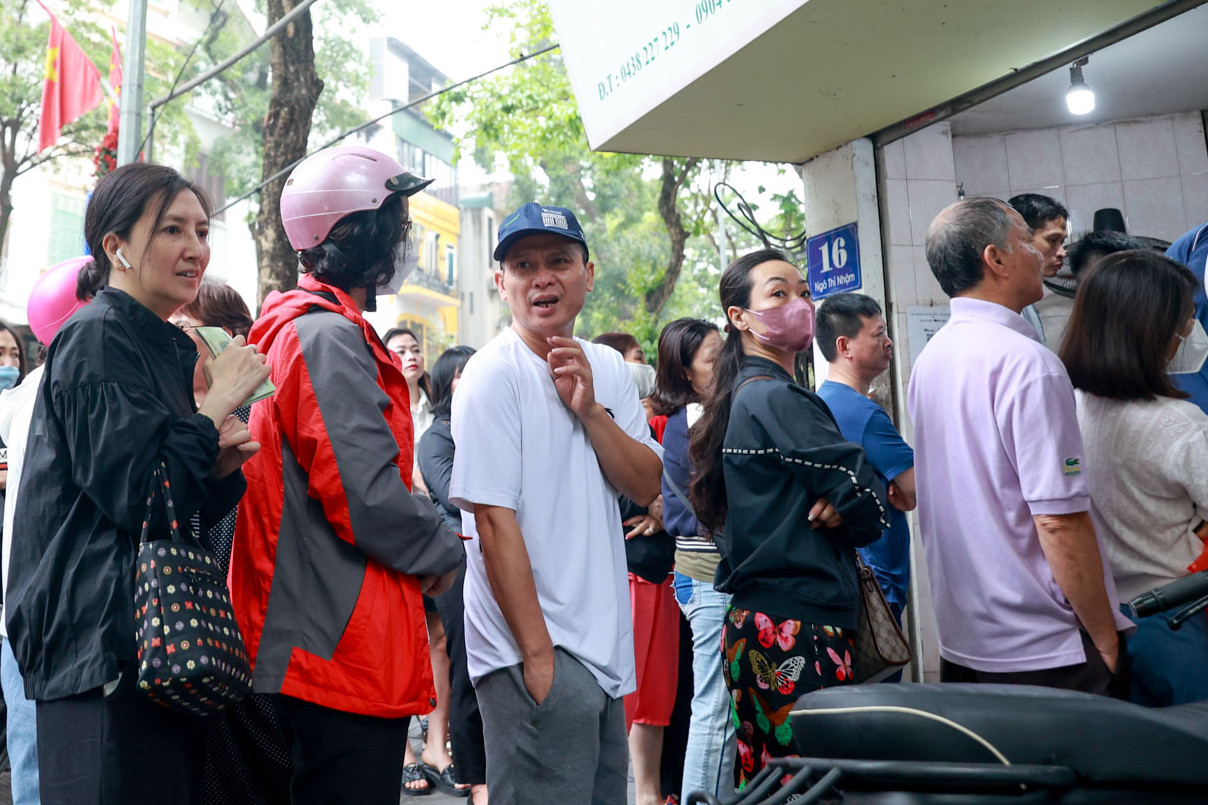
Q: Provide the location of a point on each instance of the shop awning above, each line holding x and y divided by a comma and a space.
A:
785, 80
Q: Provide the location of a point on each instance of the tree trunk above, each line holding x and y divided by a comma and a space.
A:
295, 91
8, 158
669, 187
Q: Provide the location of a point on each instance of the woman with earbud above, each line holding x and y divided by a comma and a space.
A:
787, 501
1133, 327
117, 400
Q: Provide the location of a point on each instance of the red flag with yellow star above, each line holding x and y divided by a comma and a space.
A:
72, 88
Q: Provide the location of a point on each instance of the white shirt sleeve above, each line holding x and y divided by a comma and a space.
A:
486, 434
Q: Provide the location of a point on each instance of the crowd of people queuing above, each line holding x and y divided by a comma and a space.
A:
514, 543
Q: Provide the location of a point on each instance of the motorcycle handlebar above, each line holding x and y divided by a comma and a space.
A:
1172, 595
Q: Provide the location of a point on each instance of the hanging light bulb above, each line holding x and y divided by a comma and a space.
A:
1080, 99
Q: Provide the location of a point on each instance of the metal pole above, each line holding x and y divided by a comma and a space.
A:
130, 125
149, 148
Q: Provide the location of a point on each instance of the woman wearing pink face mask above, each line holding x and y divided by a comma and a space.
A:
787, 501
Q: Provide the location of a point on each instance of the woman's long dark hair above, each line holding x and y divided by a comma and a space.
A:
446, 369
1127, 310
708, 490
678, 344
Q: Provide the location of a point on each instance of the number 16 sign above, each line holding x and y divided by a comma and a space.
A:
833, 262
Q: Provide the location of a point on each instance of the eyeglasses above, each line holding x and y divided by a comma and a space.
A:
188, 328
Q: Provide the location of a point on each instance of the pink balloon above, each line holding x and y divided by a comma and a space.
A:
53, 299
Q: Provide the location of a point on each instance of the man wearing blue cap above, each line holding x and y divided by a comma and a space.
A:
548, 430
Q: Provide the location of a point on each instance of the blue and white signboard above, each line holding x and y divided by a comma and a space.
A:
833, 262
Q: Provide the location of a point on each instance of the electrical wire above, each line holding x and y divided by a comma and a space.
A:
179, 75
793, 245
909, 711
523, 58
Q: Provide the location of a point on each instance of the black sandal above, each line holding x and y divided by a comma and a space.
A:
444, 780
413, 774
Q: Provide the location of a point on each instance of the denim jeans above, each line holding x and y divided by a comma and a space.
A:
1168, 667
22, 729
709, 758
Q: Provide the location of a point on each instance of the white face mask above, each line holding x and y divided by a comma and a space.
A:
406, 260
1192, 352
643, 378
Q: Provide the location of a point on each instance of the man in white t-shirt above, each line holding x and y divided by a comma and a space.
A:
549, 430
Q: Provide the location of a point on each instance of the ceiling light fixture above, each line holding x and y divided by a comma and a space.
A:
1080, 99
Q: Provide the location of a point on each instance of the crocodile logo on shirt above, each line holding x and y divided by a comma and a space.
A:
1072, 466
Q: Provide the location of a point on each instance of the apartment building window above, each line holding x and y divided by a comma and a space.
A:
66, 228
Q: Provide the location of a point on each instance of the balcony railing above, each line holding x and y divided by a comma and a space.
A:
432, 282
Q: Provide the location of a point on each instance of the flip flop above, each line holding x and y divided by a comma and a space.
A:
412, 773
444, 780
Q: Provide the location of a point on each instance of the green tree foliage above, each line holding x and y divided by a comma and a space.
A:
24, 30
240, 95
645, 217
317, 68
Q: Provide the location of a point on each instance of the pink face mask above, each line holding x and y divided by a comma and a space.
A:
789, 328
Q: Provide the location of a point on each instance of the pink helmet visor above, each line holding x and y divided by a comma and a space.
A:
329, 185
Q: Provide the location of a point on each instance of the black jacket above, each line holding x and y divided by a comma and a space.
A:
782, 452
116, 399
434, 454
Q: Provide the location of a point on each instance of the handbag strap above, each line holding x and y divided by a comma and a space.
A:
678, 493
160, 486
749, 379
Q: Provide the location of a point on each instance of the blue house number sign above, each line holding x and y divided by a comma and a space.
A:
834, 262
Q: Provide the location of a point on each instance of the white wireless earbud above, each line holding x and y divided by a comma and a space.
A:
121, 258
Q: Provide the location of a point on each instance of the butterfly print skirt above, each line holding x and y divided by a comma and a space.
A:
770, 662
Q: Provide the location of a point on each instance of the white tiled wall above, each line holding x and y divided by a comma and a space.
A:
1154, 170
918, 180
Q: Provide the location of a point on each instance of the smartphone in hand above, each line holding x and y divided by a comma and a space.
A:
216, 340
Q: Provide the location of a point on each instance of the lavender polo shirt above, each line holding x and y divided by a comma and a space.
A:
996, 442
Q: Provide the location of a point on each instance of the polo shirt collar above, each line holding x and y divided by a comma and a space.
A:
965, 308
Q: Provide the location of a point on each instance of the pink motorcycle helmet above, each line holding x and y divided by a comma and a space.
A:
334, 182
53, 299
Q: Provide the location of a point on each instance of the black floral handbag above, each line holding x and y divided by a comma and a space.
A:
191, 656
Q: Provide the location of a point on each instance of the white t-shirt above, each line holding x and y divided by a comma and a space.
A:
1147, 465
518, 446
421, 415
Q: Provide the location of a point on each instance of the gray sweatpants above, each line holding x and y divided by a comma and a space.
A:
568, 750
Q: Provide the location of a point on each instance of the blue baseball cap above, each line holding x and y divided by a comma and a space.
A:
534, 219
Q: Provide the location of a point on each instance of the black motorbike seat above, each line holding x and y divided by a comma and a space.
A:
1102, 739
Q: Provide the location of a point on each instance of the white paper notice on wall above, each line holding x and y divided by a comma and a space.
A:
921, 324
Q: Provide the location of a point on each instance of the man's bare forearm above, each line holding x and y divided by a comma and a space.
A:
510, 575
1072, 550
631, 467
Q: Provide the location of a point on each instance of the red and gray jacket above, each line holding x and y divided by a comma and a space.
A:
330, 540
